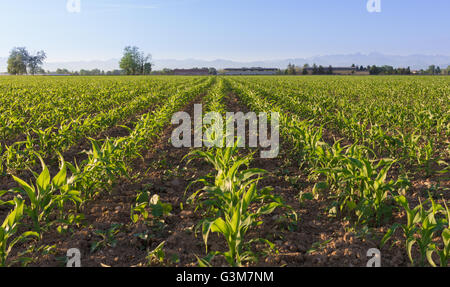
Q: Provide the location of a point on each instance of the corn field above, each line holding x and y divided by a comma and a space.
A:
87, 163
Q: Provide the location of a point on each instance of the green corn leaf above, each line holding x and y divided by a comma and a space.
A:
206, 228
27, 188
60, 179
249, 196
43, 180
268, 208
409, 245
219, 225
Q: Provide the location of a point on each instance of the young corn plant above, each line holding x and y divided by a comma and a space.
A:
360, 185
105, 164
228, 200
9, 230
421, 228
47, 194
46, 138
308, 141
444, 252
107, 237
19, 154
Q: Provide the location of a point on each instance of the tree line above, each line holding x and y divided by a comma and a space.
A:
306, 70
372, 70
133, 62
136, 62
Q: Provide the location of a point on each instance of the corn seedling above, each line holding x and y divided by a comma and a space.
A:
47, 194
421, 228
107, 237
9, 230
230, 197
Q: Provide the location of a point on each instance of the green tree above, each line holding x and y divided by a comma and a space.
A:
34, 62
431, 70
17, 61
374, 70
135, 62
63, 72
315, 70
212, 71
305, 69
321, 70
291, 69
147, 69
330, 70
20, 59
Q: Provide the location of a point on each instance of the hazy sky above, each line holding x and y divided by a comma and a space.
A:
243, 30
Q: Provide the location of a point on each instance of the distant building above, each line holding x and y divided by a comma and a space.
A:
191, 72
250, 71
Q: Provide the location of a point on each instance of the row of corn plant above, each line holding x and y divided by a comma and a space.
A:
48, 199
358, 183
232, 201
61, 136
356, 179
403, 125
39, 103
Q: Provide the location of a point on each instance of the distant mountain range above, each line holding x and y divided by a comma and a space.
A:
414, 61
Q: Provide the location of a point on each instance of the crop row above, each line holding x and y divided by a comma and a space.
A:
357, 181
62, 131
231, 200
396, 117
47, 202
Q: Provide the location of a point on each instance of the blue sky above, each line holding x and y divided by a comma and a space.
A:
242, 30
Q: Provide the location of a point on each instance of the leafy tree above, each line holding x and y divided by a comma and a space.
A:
20, 59
388, 70
315, 70
431, 70
34, 62
330, 70
321, 70
374, 70
135, 62
147, 69
291, 69
63, 72
305, 69
438, 70
114, 73
212, 71
17, 61
167, 71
